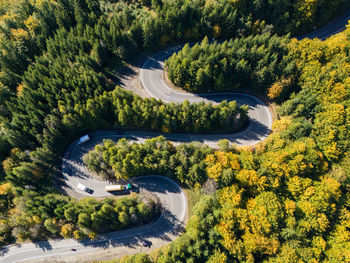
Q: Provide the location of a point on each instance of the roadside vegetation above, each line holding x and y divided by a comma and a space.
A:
123, 160
38, 217
287, 199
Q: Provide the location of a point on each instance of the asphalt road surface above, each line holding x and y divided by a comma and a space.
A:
331, 29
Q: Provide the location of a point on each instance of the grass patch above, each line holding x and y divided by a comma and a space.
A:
193, 196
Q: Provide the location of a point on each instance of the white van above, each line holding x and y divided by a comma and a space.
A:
83, 139
82, 187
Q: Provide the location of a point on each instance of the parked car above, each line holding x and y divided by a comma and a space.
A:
81, 187
83, 139
89, 191
85, 188
146, 243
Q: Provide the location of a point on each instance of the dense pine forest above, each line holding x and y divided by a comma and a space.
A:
254, 62
287, 199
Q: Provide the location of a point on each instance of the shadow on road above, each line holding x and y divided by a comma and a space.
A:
147, 183
256, 131
4, 251
161, 228
155, 64
44, 245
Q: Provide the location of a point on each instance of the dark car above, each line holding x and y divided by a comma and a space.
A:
67, 155
89, 191
73, 249
146, 243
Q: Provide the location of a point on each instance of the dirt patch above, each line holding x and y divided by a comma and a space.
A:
129, 76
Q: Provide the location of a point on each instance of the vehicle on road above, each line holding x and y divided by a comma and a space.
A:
83, 139
118, 187
67, 155
146, 243
73, 249
84, 188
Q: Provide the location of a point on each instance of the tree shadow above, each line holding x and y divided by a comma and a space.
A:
153, 63
148, 183
166, 224
122, 74
44, 245
4, 251
256, 131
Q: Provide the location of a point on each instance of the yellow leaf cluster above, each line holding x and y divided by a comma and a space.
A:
20, 89
277, 88
5, 188
78, 234
67, 230
255, 242
305, 10
31, 23
290, 206
251, 178
216, 31
219, 161
297, 185
19, 34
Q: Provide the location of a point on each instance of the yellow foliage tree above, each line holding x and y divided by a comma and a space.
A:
67, 230
32, 24
219, 161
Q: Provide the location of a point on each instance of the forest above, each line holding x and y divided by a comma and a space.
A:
123, 160
38, 217
286, 199
254, 62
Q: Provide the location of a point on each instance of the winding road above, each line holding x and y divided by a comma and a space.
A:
332, 28
172, 219
164, 230
260, 118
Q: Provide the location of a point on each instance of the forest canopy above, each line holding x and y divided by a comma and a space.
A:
37, 217
254, 62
